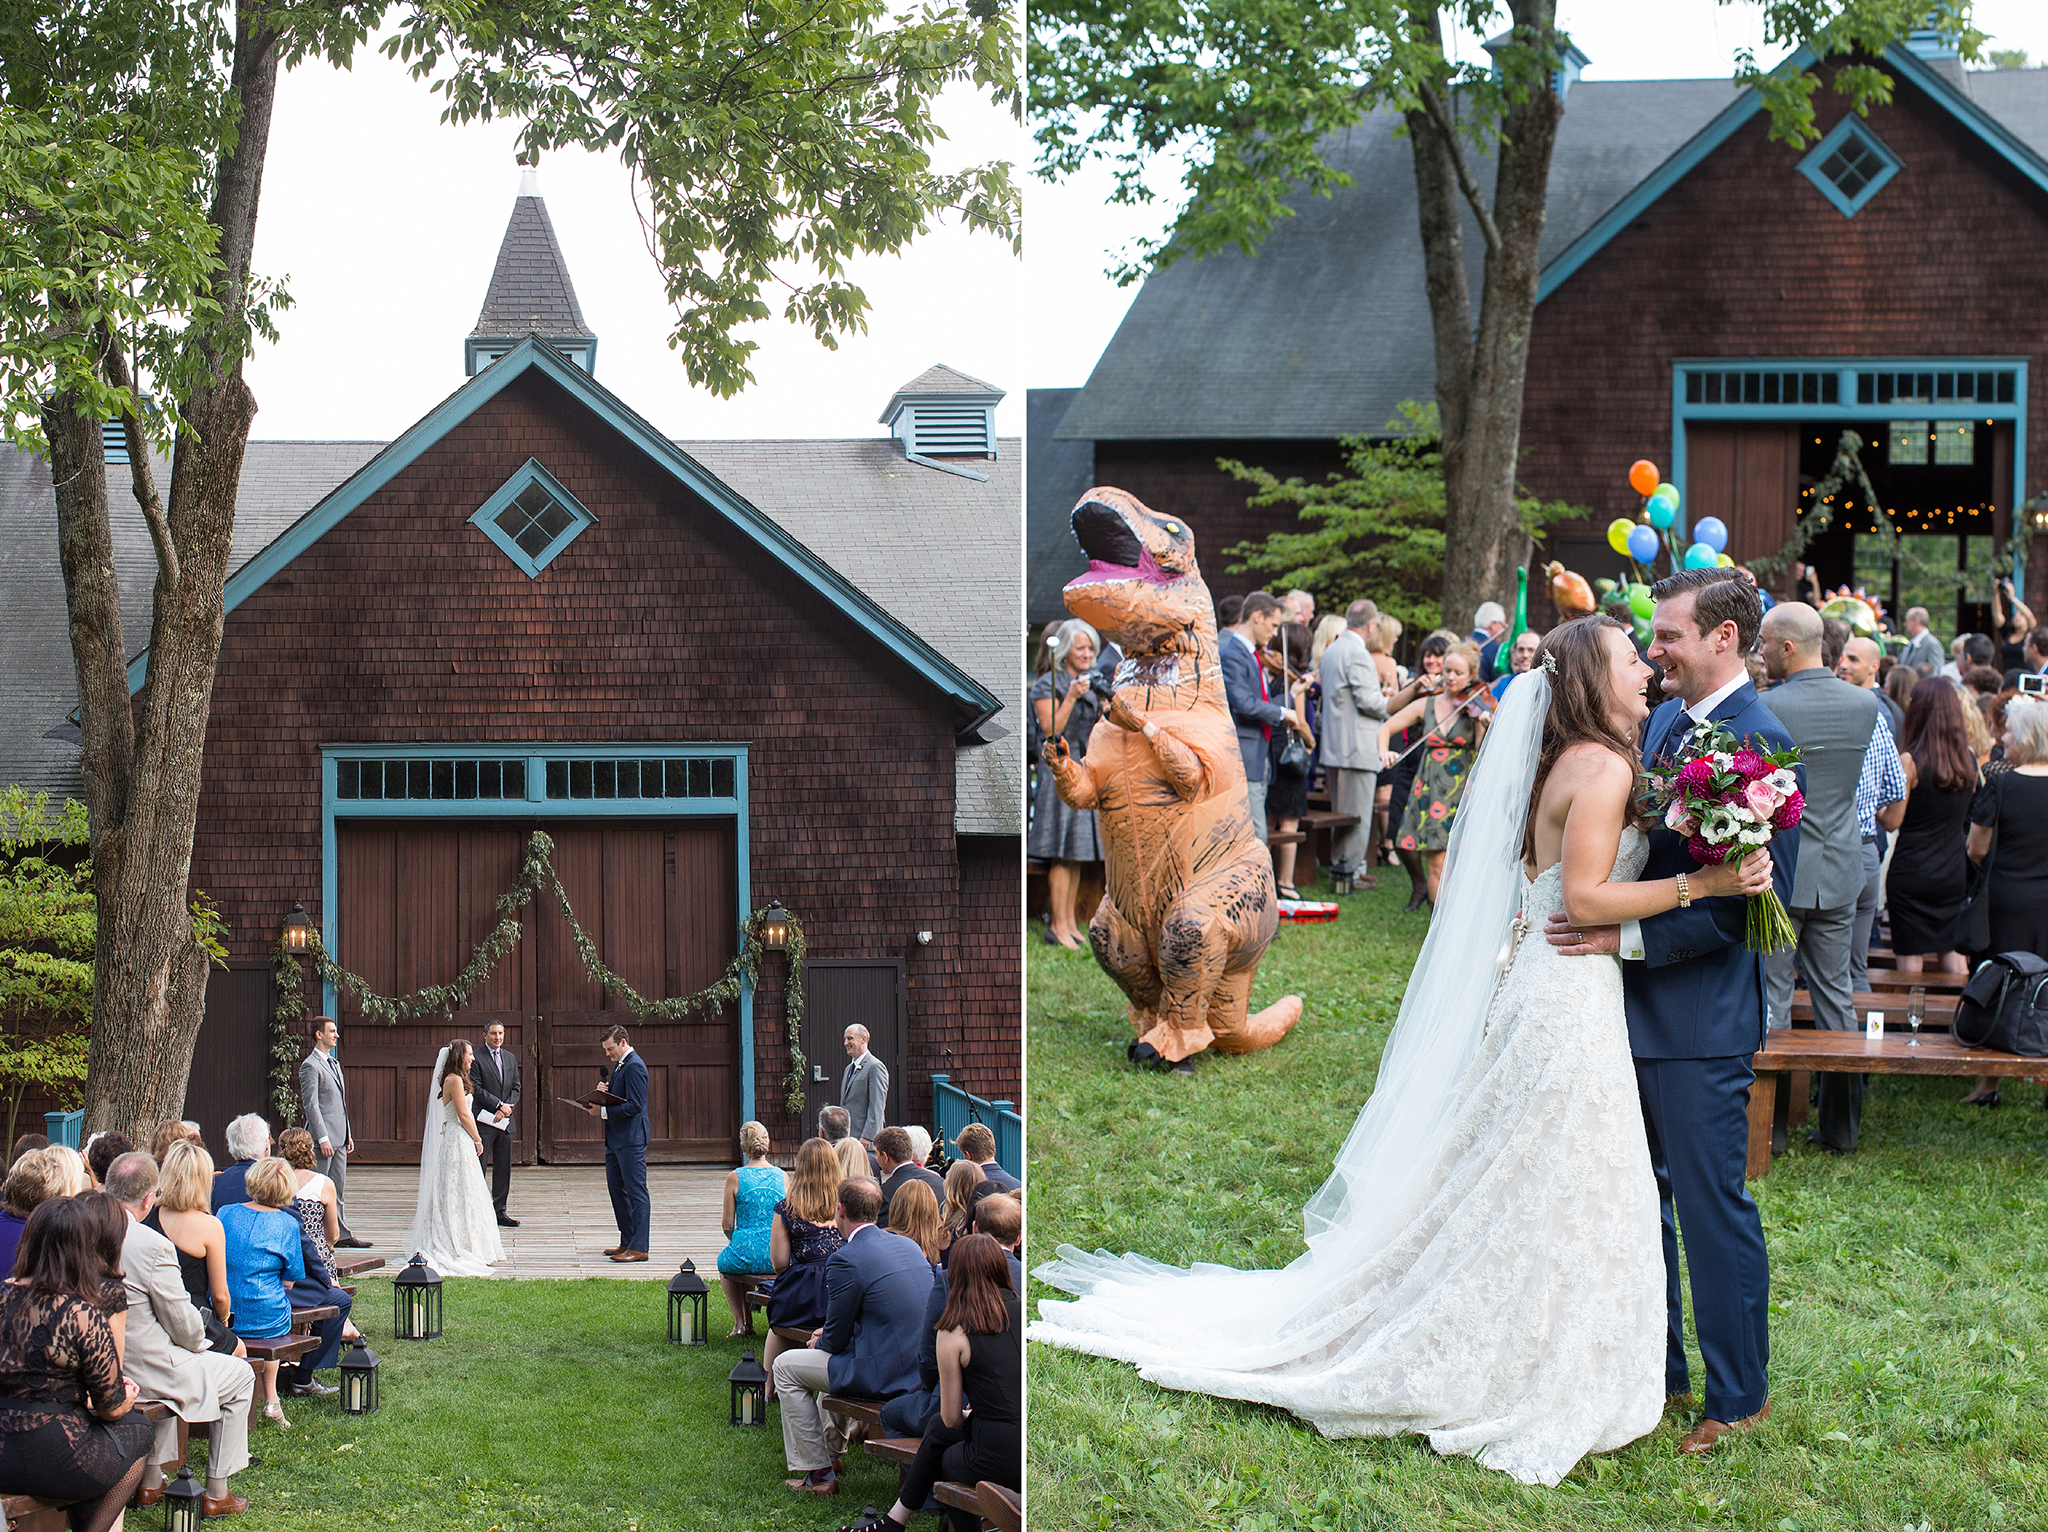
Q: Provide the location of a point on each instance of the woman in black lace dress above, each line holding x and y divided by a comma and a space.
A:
68, 1431
800, 1241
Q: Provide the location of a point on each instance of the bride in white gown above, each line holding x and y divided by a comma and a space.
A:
1483, 1264
454, 1225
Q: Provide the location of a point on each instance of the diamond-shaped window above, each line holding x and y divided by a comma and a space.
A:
1849, 165
533, 518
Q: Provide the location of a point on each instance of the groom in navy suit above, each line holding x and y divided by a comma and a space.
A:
625, 1146
1695, 998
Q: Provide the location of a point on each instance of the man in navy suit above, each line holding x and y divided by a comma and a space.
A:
875, 1289
1252, 708
1695, 999
977, 1142
625, 1146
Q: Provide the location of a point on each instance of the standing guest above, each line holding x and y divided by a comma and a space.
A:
1457, 727
34, 1179
182, 1215
863, 1087
1831, 722
1489, 626
1386, 633
1923, 653
1803, 584
1929, 880
800, 1242
1859, 667
1400, 778
977, 1143
899, 1163
1834, 638
165, 1349
68, 1431
1521, 655
1287, 786
875, 1287
1898, 685
495, 1075
1880, 806
1253, 709
325, 1093
752, 1193
957, 1211
915, 1216
28, 1143
1975, 729
2034, 657
104, 1149
1300, 607
625, 1146
2009, 825
1354, 706
1065, 704
263, 1253
1328, 628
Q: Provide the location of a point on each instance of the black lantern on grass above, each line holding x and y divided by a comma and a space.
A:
359, 1379
749, 1392
416, 1301
1342, 876
689, 1308
182, 1509
775, 926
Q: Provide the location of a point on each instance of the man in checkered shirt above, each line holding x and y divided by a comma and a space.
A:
1880, 805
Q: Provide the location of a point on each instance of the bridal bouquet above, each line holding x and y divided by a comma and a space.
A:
1729, 798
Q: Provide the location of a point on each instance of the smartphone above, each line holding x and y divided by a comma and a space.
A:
2035, 685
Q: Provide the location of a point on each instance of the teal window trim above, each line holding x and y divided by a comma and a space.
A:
1846, 408
531, 472
334, 808
1850, 127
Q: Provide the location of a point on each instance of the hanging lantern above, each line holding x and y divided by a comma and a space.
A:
359, 1379
183, 1511
775, 926
298, 930
749, 1392
689, 1312
416, 1301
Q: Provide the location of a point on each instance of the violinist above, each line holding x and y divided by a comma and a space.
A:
1456, 721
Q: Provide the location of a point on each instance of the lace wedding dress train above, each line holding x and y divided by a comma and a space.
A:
1486, 1269
454, 1224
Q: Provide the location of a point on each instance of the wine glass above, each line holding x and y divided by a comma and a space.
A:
1916, 1012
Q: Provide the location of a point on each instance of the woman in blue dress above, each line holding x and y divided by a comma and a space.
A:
262, 1253
751, 1192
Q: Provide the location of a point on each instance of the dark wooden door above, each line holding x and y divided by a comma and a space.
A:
1747, 476
838, 993
231, 1061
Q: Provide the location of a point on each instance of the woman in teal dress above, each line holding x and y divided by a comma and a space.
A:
1457, 723
751, 1193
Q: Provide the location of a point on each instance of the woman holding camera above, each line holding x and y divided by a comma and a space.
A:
1065, 702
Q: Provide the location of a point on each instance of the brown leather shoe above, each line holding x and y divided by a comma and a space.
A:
630, 1255
227, 1505
810, 1484
146, 1496
613, 1249
1702, 1437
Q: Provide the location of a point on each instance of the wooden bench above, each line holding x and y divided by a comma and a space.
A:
1894, 978
866, 1412
25, 1513
1798, 1049
1001, 1508
356, 1265
961, 1497
1939, 1015
1321, 826
893, 1449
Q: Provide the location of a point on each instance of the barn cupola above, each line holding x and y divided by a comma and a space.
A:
1941, 50
944, 418
1570, 64
530, 292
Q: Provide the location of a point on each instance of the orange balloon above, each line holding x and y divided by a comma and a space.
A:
1643, 477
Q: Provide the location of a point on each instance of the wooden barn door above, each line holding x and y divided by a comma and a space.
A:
659, 901
1748, 476
231, 1061
838, 993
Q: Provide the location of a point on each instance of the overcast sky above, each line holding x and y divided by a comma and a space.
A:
387, 224
1072, 229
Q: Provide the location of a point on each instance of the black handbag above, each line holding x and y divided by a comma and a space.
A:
2004, 1007
1294, 756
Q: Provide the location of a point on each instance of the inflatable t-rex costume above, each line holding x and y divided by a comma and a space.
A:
1190, 906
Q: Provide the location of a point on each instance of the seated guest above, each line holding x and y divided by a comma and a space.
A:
184, 1194
317, 1205
956, 1216
916, 1218
897, 1154
802, 1239
875, 1286
1001, 1218
854, 1161
920, 1146
835, 1126
169, 1133
752, 1193
104, 1149
68, 1431
263, 1250
248, 1141
980, 1352
2009, 824
978, 1144
36, 1177
166, 1352
26, 1144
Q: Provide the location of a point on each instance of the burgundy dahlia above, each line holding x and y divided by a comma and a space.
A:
1696, 775
1704, 854
1749, 764
1789, 811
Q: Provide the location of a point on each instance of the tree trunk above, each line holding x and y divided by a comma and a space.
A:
141, 761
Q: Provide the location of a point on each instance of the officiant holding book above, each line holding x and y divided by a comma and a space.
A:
495, 1076
625, 1145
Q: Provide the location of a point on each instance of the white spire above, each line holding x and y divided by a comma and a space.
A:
529, 180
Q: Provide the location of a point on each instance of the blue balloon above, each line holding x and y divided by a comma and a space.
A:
1709, 530
1700, 556
1642, 543
1662, 512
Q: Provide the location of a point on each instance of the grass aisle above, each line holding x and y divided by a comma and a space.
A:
1907, 1298
554, 1404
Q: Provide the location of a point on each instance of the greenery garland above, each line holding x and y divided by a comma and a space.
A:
536, 872
1847, 468
284, 1052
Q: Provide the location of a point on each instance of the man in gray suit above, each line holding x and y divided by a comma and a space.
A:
1831, 722
1353, 709
325, 1095
494, 1073
864, 1088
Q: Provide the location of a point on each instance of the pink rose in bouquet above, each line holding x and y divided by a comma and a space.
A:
1762, 798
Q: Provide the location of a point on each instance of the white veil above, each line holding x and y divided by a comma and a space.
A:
420, 1236
1381, 1177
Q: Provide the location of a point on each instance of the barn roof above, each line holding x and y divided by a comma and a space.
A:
1327, 330
530, 291
827, 509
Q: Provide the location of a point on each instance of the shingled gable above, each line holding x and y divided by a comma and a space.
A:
530, 291
971, 703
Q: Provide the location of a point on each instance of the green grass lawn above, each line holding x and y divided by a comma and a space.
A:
544, 1404
1907, 1298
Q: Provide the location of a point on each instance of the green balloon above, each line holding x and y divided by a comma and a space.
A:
1639, 601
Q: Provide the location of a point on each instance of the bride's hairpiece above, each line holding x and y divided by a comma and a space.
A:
1550, 663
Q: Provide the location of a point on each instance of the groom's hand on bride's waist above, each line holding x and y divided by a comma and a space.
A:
1581, 941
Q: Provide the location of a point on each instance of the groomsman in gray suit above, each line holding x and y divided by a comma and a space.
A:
1353, 709
864, 1088
1831, 722
325, 1095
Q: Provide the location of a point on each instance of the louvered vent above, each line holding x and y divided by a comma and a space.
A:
939, 430
114, 438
